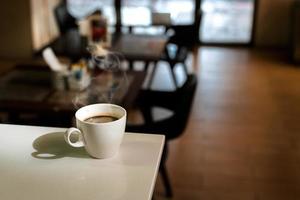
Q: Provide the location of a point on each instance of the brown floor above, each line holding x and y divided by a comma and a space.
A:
243, 138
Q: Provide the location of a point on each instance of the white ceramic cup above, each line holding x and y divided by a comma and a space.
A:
101, 140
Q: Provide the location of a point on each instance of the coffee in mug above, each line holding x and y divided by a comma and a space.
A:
101, 119
100, 129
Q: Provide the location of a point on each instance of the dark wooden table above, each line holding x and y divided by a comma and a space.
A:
140, 47
133, 47
29, 90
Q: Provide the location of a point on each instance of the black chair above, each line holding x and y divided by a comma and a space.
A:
71, 45
184, 39
63, 18
180, 103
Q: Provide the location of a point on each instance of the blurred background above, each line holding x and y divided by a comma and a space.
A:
220, 78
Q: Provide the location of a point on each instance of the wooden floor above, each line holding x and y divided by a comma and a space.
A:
243, 138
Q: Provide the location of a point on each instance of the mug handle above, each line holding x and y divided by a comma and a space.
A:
68, 134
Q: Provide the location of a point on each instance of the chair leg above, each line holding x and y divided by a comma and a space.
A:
166, 181
146, 66
152, 73
185, 69
173, 75
130, 64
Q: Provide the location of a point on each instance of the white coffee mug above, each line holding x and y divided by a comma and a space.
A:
101, 140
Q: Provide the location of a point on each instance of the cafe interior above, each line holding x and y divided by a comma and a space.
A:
218, 78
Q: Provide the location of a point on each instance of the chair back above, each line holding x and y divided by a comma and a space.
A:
64, 20
187, 35
182, 107
179, 102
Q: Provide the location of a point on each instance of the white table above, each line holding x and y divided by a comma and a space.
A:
36, 164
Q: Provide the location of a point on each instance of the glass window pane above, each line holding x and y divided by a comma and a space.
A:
227, 21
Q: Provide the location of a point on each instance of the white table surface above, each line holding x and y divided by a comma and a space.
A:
36, 164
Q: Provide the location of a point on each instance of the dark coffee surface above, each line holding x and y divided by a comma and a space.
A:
101, 119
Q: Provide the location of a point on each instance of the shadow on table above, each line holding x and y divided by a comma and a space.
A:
53, 146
